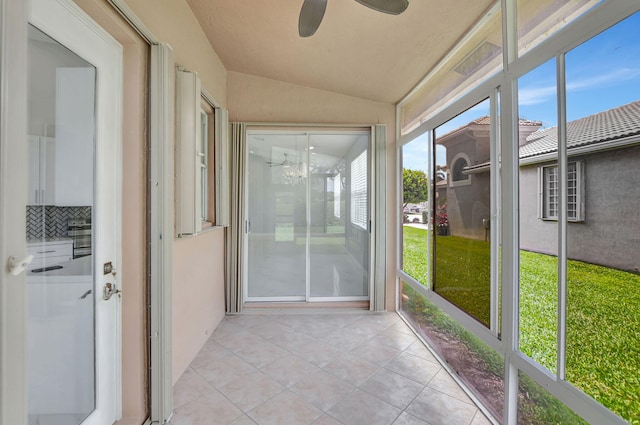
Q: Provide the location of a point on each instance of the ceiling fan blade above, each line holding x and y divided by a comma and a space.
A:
393, 7
310, 17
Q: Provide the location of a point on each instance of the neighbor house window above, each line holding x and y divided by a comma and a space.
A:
359, 190
458, 170
550, 193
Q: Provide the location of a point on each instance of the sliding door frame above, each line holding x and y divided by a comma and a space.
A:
308, 131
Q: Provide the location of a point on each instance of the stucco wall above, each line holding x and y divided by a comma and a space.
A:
198, 294
132, 271
256, 99
609, 233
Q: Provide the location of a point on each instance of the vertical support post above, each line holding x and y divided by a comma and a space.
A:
162, 76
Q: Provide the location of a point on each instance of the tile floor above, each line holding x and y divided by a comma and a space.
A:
324, 369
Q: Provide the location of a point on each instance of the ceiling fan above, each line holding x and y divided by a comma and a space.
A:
284, 163
313, 10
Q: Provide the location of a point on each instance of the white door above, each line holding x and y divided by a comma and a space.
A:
73, 231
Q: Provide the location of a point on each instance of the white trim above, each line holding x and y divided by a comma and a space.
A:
460, 182
588, 25
125, 11
13, 194
161, 227
308, 130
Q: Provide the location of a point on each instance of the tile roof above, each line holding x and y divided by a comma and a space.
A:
616, 123
486, 120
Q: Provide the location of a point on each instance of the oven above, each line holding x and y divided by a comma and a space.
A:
79, 230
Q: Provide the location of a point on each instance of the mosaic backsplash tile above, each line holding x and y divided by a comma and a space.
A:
50, 221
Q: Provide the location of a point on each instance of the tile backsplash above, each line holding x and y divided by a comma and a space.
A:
51, 221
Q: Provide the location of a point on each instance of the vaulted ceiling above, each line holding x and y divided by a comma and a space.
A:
356, 51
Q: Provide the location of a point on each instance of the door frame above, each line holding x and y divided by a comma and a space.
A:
13, 190
372, 157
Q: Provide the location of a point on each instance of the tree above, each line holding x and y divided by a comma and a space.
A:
415, 187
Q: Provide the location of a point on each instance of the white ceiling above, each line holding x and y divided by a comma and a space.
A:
356, 51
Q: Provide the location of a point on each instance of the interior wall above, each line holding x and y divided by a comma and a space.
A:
256, 99
172, 22
132, 271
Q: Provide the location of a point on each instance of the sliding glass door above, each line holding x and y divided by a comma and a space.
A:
307, 227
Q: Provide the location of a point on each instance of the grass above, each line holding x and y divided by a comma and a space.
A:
603, 314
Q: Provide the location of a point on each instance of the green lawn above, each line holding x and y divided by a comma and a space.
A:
603, 317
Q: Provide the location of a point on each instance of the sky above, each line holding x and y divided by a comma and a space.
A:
601, 74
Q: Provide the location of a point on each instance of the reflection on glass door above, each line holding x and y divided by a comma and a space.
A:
339, 233
277, 217
60, 351
308, 217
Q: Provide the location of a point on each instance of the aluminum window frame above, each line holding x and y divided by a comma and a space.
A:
594, 21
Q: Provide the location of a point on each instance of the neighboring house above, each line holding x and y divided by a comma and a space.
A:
602, 176
467, 187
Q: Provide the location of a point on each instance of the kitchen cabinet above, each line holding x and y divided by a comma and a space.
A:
51, 252
42, 160
75, 134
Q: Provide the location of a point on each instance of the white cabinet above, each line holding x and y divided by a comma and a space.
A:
75, 134
47, 253
42, 171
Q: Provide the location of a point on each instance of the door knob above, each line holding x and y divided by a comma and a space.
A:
109, 290
16, 266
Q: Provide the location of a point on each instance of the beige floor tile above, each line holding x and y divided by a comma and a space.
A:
242, 342
375, 353
250, 390
285, 408
351, 368
224, 371
393, 388
480, 419
441, 409
386, 320
226, 329
318, 353
289, 370
322, 389
444, 383
418, 349
262, 354
210, 352
212, 409
241, 375
407, 419
413, 367
367, 328
243, 420
361, 408
249, 320
270, 329
345, 339
327, 420
395, 339
292, 340
190, 387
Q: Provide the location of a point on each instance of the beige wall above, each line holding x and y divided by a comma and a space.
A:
256, 99
198, 292
132, 271
172, 22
